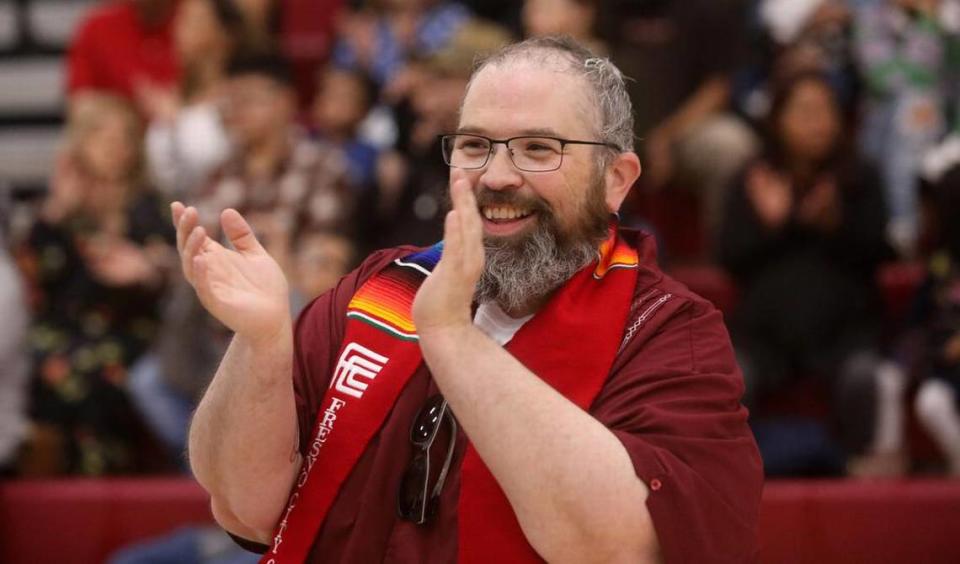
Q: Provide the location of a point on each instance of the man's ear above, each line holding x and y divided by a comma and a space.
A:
620, 177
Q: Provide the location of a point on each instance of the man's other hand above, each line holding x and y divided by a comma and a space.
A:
443, 301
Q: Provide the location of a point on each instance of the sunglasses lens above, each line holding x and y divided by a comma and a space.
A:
427, 421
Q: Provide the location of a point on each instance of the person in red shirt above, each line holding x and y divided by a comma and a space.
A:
121, 46
532, 388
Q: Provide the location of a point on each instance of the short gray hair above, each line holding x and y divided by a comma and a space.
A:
605, 80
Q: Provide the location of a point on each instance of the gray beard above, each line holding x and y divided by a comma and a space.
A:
520, 271
516, 274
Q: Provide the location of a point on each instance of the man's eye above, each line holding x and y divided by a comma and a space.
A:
473, 146
539, 148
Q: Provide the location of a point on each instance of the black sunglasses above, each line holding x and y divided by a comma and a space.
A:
415, 501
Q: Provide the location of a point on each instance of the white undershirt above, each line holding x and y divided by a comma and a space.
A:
497, 324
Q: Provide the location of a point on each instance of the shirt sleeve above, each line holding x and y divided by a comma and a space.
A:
673, 400
317, 335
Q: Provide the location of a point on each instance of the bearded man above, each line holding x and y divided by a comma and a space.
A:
533, 388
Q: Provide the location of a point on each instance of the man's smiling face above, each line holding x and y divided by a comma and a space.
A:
519, 99
539, 228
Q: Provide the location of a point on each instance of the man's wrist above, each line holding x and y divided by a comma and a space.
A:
447, 339
269, 341
445, 331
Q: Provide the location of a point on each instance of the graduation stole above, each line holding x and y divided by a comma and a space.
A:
570, 344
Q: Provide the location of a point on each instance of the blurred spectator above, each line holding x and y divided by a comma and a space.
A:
14, 424
122, 45
98, 259
186, 139
813, 35
576, 18
302, 30
344, 98
320, 259
682, 91
168, 381
803, 236
414, 217
381, 42
937, 400
307, 33
277, 177
906, 57
262, 18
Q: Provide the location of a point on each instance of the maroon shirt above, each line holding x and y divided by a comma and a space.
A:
672, 398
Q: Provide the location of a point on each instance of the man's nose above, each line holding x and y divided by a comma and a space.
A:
500, 174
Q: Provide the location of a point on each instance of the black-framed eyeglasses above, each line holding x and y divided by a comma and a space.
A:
528, 153
416, 501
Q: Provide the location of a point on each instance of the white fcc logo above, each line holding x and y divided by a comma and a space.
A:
356, 362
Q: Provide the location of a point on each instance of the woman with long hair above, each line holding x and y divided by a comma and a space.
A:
803, 235
97, 261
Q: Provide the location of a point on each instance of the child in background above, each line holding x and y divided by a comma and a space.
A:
320, 259
344, 98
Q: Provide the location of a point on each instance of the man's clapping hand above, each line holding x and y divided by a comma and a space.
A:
242, 287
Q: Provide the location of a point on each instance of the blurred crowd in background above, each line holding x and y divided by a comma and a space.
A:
800, 147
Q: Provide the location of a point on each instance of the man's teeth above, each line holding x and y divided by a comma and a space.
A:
504, 212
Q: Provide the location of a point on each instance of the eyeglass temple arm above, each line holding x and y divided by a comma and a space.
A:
449, 458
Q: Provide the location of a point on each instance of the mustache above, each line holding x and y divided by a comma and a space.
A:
487, 197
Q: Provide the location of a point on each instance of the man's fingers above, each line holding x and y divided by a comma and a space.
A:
198, 244
176, 210
238, 231
200, 266
457, 190
452, 240
191, 247
195, 241
188, 220
471, 228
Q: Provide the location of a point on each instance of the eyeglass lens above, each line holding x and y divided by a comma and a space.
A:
534, 154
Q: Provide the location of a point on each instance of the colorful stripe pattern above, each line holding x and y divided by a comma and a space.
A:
614, 253
385, 300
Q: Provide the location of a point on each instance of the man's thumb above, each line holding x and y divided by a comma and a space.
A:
238, 231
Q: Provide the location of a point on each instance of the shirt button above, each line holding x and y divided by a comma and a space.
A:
655, 484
